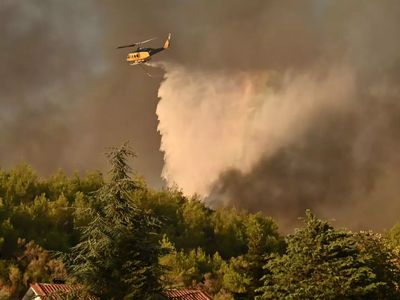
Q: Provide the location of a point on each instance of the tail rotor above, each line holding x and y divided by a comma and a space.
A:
167, 42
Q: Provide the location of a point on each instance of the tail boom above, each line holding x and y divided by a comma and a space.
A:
165, 47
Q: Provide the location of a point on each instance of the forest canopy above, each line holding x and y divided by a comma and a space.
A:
229, 253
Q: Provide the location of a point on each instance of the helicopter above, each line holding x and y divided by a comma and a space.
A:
142, 54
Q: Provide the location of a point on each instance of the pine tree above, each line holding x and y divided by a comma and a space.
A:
327, 263
118, 256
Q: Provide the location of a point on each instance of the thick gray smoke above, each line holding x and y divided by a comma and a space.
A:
290, 106
270, 105
66, 92
47, 50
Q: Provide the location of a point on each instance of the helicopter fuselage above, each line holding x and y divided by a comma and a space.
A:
142, 55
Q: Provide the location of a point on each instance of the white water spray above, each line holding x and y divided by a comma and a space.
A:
212, 121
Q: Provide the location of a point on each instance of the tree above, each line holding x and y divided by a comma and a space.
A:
263, 239
118, 257
325, 263
394, 234
32, 264
384, 260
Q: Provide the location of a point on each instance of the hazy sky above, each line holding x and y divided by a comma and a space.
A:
273, 106
66, 93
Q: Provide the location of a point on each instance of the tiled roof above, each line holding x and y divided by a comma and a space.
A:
46, 289
187, 295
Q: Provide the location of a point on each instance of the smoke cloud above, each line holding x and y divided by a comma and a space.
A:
273, 106
66, 92
302, 113
47, 50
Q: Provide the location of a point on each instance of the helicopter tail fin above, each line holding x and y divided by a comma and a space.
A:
167, 42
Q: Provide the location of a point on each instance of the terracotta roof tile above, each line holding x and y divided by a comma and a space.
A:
48, 289
187, 295
45, 289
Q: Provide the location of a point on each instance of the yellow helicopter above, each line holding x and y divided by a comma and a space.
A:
142, 55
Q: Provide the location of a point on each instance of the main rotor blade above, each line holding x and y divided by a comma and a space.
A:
139, 43
133, 45
145, 41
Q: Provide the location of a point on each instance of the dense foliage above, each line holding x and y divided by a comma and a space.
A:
118, 256
327, 263
229, 253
